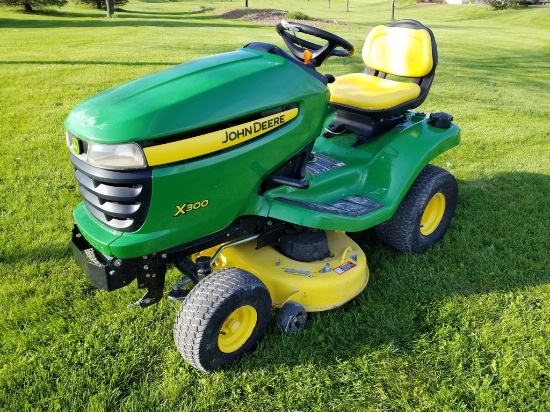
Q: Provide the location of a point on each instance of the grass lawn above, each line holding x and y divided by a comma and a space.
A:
464, 326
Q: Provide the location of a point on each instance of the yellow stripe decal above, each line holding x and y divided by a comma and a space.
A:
215, 141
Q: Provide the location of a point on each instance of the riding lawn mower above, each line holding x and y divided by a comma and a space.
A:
244, 170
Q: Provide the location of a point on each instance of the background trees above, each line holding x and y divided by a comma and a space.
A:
108, 5
30, 5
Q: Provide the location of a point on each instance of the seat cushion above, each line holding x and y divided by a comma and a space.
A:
371, 93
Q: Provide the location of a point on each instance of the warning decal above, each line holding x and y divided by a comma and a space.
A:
344, 268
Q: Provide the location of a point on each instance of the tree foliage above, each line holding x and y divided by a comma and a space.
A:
30, 5
102, 4
503, 4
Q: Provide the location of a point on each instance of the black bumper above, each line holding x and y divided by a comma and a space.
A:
105, 273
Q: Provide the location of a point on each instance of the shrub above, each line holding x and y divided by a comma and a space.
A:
503, 4
298, 15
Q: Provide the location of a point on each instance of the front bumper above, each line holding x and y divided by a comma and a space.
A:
103, 272
110, 273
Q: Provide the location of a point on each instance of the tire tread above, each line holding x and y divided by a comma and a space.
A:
402, 231
200, 307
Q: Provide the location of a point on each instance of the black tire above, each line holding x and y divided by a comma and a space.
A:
205, 315
292, 317
405, 231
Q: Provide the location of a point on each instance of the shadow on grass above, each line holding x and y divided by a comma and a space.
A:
506, 68
42, 253
89, 63
66, 14
102, 13
158, 13
134, 19
118, 13
54, 24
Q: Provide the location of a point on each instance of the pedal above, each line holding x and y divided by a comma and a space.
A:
178, 294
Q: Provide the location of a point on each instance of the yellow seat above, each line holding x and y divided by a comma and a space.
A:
371, 93
406, 50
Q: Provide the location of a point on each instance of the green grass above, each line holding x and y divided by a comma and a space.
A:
463, 327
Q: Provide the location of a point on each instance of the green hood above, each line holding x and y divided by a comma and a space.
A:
191, 96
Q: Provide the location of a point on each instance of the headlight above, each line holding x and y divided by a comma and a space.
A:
116, 156
107, 156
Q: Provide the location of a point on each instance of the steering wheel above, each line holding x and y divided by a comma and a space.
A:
319, 53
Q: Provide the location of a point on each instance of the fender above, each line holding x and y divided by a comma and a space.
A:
381, 171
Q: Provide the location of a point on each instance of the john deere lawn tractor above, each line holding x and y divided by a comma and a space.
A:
244, 170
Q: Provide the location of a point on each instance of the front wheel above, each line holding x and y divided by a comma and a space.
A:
224, 316
425, 213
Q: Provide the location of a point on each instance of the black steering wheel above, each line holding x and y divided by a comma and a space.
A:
319, 53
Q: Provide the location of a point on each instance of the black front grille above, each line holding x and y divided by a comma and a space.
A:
119, 199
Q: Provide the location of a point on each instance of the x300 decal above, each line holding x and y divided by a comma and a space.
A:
189, 207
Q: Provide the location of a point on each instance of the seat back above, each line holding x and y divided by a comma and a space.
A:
403, 48
400, 51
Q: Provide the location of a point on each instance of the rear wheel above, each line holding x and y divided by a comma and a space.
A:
425, 213
224, 316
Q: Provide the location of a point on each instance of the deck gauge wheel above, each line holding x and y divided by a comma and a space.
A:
292, 317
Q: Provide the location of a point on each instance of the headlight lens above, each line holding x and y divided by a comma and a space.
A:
116, 156
108, 156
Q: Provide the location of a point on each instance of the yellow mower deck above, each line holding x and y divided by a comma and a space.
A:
318, 286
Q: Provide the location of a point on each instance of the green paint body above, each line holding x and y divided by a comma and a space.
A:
217, 89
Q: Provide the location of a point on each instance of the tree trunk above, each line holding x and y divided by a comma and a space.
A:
329, 4
110, 7
28, 7
347, 5
245, 3
392, 10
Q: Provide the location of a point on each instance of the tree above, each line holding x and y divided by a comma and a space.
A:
108, 5
392, 10
31, 5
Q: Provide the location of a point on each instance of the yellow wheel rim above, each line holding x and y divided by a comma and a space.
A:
237, 328
431, 218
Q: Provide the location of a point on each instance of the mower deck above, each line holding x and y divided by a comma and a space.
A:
317, 286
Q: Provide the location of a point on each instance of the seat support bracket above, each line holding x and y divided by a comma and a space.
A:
365, 127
